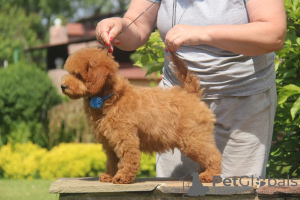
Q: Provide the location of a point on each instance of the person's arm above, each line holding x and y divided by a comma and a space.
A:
137, 34
264, 34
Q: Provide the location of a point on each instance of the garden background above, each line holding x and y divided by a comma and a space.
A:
44, 136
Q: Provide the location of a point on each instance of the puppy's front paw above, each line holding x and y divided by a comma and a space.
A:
122, 179
104, 177
206, 177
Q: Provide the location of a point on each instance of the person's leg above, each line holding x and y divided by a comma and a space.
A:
244, 132
273, 97
175, 164
243, 135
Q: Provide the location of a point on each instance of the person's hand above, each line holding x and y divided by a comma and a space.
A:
107, 30
183, 35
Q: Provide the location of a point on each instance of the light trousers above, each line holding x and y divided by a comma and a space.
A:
243, 134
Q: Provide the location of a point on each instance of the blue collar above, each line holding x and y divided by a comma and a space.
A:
97, 102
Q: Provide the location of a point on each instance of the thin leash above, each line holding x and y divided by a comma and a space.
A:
137, 18
174, 13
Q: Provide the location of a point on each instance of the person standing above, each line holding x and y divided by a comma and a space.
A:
230, 46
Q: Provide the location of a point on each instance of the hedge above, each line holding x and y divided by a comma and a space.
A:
26, 95
29, 161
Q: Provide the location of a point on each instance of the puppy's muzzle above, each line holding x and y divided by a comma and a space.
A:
63, 87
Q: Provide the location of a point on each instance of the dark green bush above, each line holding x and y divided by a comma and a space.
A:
26, 95
285, 153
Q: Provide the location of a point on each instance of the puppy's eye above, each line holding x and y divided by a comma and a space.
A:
79, 76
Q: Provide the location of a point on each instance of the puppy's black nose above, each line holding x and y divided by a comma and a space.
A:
63, 87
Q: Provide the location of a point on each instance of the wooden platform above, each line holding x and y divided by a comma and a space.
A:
174, 188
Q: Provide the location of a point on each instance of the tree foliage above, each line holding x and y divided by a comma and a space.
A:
25, 23
150, 56
17, 34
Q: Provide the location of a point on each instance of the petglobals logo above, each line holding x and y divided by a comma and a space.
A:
196, 188
250, 181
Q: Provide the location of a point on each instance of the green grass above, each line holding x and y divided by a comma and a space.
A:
26, 190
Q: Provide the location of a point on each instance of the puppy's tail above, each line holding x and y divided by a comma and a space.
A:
190, 82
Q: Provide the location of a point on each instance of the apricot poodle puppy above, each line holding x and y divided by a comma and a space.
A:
128, 120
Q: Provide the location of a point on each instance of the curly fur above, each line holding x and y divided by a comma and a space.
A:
136, 120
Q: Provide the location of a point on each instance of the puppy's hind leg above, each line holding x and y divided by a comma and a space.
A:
111, 165
206, 154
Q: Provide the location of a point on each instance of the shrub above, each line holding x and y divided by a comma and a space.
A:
148, 166
20, 161
27, 161
26, 95
82, 160
68, 123
150, 56
285, 154
73, 160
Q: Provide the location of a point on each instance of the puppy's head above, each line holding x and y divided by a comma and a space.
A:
88, 69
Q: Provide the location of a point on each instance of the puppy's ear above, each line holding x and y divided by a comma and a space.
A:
96, 77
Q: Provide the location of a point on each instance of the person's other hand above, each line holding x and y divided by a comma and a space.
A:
183, 35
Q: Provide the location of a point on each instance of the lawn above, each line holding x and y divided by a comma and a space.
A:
26, 190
